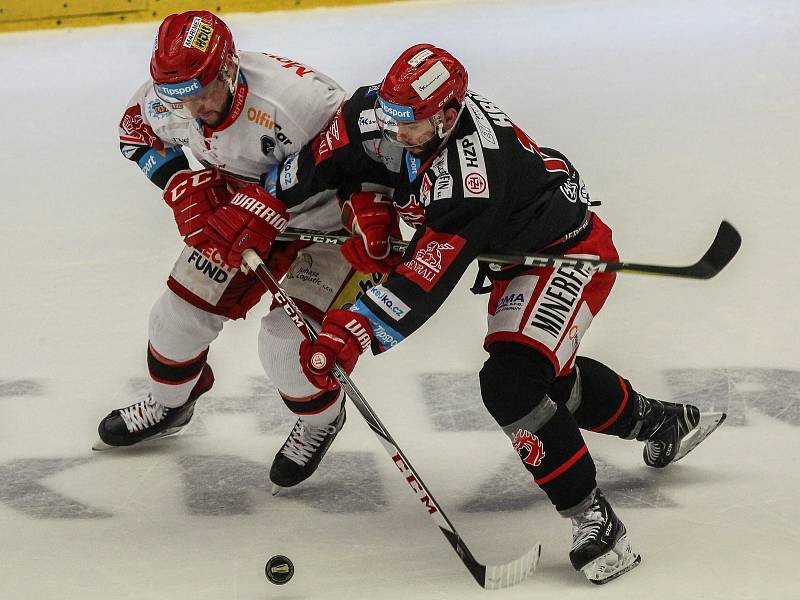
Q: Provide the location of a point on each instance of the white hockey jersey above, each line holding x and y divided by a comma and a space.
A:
278, 107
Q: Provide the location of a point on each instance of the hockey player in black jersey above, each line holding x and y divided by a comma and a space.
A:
471, 181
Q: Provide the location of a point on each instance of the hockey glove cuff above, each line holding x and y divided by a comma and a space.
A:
344, 336
252, 219
192, 196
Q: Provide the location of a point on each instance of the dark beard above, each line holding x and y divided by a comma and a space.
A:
424, 151
222, 115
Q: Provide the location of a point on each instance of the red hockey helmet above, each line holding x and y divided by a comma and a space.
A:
191, 49
422, 81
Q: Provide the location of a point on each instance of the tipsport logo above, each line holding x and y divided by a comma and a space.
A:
179, 90
397, 112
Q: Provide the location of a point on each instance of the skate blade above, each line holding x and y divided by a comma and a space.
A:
101, 446
276, 489
614, 563
705, 427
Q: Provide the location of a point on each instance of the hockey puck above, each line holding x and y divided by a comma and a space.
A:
279, 569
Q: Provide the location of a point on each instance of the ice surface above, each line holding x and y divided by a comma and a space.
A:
678, 114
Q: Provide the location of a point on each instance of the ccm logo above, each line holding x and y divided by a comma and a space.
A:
415, 484
306, 237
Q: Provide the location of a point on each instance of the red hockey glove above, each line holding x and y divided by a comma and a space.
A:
372, 220
344, 336
192, 196
252, 219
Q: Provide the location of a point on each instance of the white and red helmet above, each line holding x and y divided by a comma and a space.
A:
191, 49
422, 81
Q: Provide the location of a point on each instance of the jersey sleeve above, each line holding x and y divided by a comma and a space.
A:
337, 158
139, 138
306, 107
456, 231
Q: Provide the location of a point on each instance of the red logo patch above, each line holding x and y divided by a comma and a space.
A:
434, 255
475, 183
529, 447
412, 212
136, 131
332, 138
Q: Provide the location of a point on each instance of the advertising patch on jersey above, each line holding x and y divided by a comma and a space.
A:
367, 121
388, 302
484, 128
386, 336
152, 160
556, 304
260, 117
473, 167
199, 35
412, 166
511, 301
443, 186
300, 69
303, 269
156, 110
434, 254
431, 80
507, 315
204, 273
373, 90
134, 130
497, 116
289, 172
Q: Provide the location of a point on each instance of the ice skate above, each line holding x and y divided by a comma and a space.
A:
149, 420
302, 451
670, 431
600, 547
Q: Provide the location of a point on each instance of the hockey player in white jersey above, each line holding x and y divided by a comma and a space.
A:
240, 114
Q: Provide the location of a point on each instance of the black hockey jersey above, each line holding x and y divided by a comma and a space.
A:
490, 189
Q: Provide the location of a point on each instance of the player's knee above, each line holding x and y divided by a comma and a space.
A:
514, 380
177, 328
279, 349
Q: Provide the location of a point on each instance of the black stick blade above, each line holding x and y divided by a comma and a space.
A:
724, 247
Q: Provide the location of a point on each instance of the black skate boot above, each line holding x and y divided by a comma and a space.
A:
147, 419
600, 547
302, 451
670, 431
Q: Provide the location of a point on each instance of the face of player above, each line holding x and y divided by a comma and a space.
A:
211, 104
420, 137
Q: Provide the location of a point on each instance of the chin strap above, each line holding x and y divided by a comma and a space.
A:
444, 135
